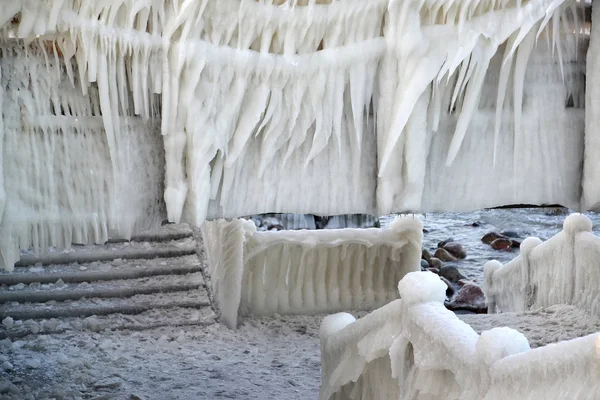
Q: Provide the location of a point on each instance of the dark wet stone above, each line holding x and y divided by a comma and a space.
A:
456, 250
436, 263
451, 273
444, 255
502, 244
444, 242
424, 265
488, 238
469, 297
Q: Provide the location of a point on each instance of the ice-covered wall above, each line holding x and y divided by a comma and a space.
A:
562, 270
308, 271
64, 180
325, 107
414, 348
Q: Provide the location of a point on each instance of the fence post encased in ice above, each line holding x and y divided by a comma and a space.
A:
557, 271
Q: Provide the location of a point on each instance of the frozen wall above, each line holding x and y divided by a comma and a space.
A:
562, 270
319, 107
64, 179
308, 272
414, 348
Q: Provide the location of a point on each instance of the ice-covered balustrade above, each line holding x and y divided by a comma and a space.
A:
415, 348
307, 271
65, 181
562, 270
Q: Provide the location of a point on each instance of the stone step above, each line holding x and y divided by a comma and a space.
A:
126, 250
135, 304
150, 319
40, 293
101, 271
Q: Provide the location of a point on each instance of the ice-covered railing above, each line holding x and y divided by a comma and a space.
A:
409, 348
415, 348
562, 270
308, 271
566, 370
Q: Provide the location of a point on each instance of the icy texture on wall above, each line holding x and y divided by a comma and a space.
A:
562, 270
591, 167
64, 180
308, 272
414, 348
305, 107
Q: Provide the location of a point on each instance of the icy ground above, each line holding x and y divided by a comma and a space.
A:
266, 358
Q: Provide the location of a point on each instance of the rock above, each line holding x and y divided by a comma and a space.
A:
276, 228
135, 397
510, 234
456, 250
434, 270
464, 282
450, 290
8, 322
476, 224
452, 274
7, 366
488, 238
502, 244
436, 263
444, 255
444, 242
515, 244
425, 255
424, 265
470, 297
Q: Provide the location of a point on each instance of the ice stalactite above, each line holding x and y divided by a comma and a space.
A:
61, 184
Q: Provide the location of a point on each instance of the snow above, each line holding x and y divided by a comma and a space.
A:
308, 271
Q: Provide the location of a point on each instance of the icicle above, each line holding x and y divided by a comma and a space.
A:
507, 62
471, 101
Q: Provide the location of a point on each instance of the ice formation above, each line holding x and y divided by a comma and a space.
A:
302, 106
415, 348
559, 271
307, 272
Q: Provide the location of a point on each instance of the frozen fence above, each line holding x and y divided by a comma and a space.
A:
308, 272
563, 270
414, 348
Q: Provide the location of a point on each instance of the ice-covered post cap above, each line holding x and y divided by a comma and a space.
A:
497, 343
334, 323
577, 223
422, 287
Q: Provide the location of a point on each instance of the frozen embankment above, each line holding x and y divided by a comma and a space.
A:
415, 347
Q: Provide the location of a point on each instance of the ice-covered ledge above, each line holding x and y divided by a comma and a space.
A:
308, 271
562, 270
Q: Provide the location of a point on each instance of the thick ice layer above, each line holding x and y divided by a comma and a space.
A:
591, 167
433, 355
308, 272
64, 181
562, 270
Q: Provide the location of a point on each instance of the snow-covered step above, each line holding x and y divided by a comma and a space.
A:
101, 271
163, 234
150, 319
136, 304
38, 293
112, 251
